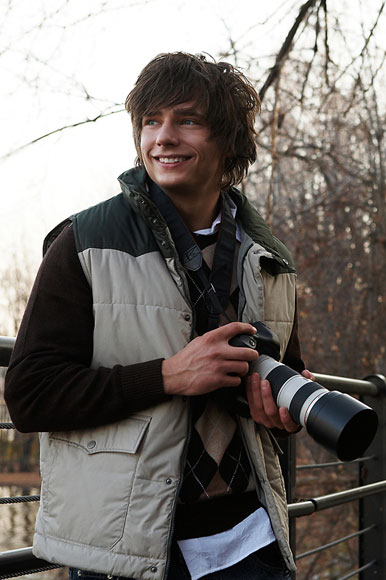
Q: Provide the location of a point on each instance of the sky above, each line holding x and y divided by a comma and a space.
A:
64, 61
53, 54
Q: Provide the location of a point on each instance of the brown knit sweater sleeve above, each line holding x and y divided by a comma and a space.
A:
49, 385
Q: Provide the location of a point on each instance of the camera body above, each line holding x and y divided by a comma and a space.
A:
339, 422
264, 341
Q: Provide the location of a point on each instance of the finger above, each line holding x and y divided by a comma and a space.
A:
287, 422
242, 353
239, 368
270, 408
262, 407
308, 375
233, 328
230, 381
252, 388
219, 339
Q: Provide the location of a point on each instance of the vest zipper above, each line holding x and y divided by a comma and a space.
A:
183, 462
240, 279
184, 455
286, 551
275, 442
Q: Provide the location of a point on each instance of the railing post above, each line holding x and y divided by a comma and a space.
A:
372, 509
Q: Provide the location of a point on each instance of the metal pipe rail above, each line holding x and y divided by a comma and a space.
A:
6, 347
358, 570
307, 507
350, 386
334, 463
372, 385
19, 562
334, 543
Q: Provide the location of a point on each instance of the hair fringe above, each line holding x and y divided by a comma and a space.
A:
228, 98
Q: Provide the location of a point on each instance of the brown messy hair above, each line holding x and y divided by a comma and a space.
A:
229, 101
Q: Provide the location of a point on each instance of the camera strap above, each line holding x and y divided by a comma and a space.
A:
216, 287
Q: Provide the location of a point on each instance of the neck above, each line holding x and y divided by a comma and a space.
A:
198, 213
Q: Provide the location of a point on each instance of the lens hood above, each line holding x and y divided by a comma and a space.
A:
342, 424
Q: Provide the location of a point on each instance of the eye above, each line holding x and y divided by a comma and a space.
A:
189, 122
148, 122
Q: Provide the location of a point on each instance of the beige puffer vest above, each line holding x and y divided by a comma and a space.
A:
114, 514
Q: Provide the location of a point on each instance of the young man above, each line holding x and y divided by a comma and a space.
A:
123, 359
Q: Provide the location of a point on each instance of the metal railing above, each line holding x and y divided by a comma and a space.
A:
370, 494
371, 531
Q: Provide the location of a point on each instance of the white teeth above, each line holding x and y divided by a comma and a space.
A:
171, 159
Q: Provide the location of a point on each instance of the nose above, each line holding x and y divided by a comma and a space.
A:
167, 134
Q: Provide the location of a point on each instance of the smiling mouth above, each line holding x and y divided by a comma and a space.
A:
171, 160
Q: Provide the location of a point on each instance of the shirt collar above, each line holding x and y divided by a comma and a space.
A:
217, 221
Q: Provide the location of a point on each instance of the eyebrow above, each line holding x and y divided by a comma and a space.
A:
179, 111
188, 111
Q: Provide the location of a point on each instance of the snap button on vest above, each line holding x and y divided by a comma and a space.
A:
187, 317
91, 444
168, 481
153, 569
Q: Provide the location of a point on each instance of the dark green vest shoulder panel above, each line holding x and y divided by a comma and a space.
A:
113, 225
257, 228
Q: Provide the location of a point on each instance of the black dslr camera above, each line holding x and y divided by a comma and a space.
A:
339, 422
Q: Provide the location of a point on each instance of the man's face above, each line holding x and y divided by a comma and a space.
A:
179, 153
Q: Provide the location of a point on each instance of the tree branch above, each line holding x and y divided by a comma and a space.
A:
286, 48
58, 130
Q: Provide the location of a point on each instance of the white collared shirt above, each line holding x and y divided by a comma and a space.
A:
209, 554
217, 222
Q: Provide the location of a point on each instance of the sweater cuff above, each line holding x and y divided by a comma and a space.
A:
142, 384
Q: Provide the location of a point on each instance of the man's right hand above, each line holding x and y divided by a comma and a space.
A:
208, 362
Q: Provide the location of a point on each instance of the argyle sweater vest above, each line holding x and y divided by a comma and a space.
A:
217, 464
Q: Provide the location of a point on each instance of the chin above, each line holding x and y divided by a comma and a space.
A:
171, 185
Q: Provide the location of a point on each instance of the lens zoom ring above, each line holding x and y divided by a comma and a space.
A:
305, 390
278, 376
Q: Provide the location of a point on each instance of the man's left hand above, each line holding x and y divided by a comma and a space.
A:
263, 407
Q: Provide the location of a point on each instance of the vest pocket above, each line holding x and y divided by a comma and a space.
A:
87, 479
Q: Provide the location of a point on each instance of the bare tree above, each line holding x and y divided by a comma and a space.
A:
32, 45
320, 182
